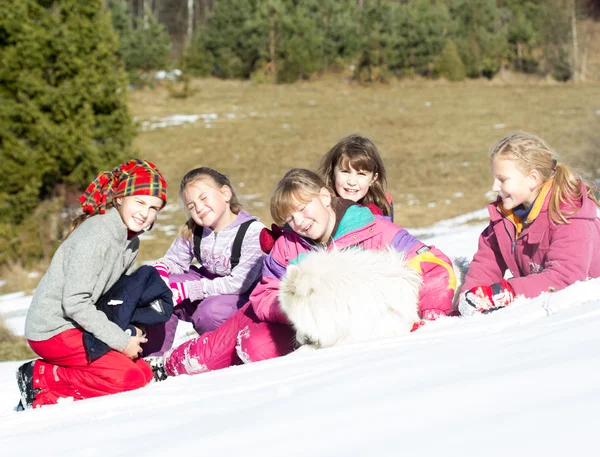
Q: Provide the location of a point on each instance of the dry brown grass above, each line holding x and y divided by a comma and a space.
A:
13, 347
433, 135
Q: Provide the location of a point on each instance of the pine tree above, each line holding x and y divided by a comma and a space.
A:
63, 105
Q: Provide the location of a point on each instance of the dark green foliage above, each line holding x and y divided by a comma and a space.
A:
63, 106
480, 37
449, 64
286, 40
143, 48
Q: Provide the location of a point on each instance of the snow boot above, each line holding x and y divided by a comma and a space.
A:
25, 383
158, 368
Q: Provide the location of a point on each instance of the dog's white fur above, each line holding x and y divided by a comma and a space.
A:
344, 296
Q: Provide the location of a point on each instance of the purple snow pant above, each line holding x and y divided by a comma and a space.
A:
205, 315
242, 338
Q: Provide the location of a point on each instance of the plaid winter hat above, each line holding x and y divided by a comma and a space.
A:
137, 177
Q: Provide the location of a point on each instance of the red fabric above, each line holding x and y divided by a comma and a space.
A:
546, 256
268, 237
136, 177
65, 372
374, 209
485, 298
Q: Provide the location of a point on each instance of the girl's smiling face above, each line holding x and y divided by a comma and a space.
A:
314, 219
352, 184
513, 186
208, 206
139, 211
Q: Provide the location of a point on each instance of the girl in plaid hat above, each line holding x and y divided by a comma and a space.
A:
101, 247
224, 241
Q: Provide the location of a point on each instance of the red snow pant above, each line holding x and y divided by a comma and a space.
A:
65, 372
241, 338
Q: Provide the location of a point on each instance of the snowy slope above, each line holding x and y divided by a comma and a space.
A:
521, 381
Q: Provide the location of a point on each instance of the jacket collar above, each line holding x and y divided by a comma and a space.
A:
539, 205
116, 225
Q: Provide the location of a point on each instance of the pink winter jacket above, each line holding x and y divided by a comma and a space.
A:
358, 227
545, 257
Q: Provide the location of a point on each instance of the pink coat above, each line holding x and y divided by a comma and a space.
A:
360, 229
545, 257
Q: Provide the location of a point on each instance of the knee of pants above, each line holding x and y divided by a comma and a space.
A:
135, 376
265, 341
210, 314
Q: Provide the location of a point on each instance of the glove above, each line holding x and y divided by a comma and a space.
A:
163, 272
180, 292
268, 237
483, 299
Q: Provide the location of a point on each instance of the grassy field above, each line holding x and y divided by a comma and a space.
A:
434, 136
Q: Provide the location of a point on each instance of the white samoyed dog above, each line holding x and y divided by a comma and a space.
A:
344, 296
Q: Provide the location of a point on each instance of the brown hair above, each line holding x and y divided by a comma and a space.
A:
361, 154
297, 186
213, 178
533, 153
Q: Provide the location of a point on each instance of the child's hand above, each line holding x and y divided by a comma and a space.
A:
163, 272
484, 298
134, 347
180, 292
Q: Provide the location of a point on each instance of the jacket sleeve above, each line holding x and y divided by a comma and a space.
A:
179, 256
82, 266
568, 260
439, 280
243, 276
264, 296
488, 266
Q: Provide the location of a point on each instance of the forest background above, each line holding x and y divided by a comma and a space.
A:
271, 84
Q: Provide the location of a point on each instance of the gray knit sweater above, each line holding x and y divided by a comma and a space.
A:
88, 263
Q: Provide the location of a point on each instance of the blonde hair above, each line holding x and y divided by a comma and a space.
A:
532, 153
214, 179
361, 154
297, 186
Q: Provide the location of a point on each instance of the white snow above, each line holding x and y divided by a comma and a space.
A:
523, 381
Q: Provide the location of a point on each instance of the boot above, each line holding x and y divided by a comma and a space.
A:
158, 368
25, 383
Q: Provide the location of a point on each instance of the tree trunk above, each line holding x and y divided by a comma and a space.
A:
190, 22
575, 69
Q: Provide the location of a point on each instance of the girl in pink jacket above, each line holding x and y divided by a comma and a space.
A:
544, 228
312, 217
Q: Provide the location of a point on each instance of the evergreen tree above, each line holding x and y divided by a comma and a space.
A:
63, 106
480, 37
449, 64
145, 47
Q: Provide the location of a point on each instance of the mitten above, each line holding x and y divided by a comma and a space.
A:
163, 272
180, 292
268, 237
485, 298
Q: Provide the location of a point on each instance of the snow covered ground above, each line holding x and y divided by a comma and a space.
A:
524, 381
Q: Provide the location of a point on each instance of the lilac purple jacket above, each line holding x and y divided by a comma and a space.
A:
215, 249
544, 257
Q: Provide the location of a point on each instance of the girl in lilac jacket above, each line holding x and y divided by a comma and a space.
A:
313, 217
208, 295
544, 228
